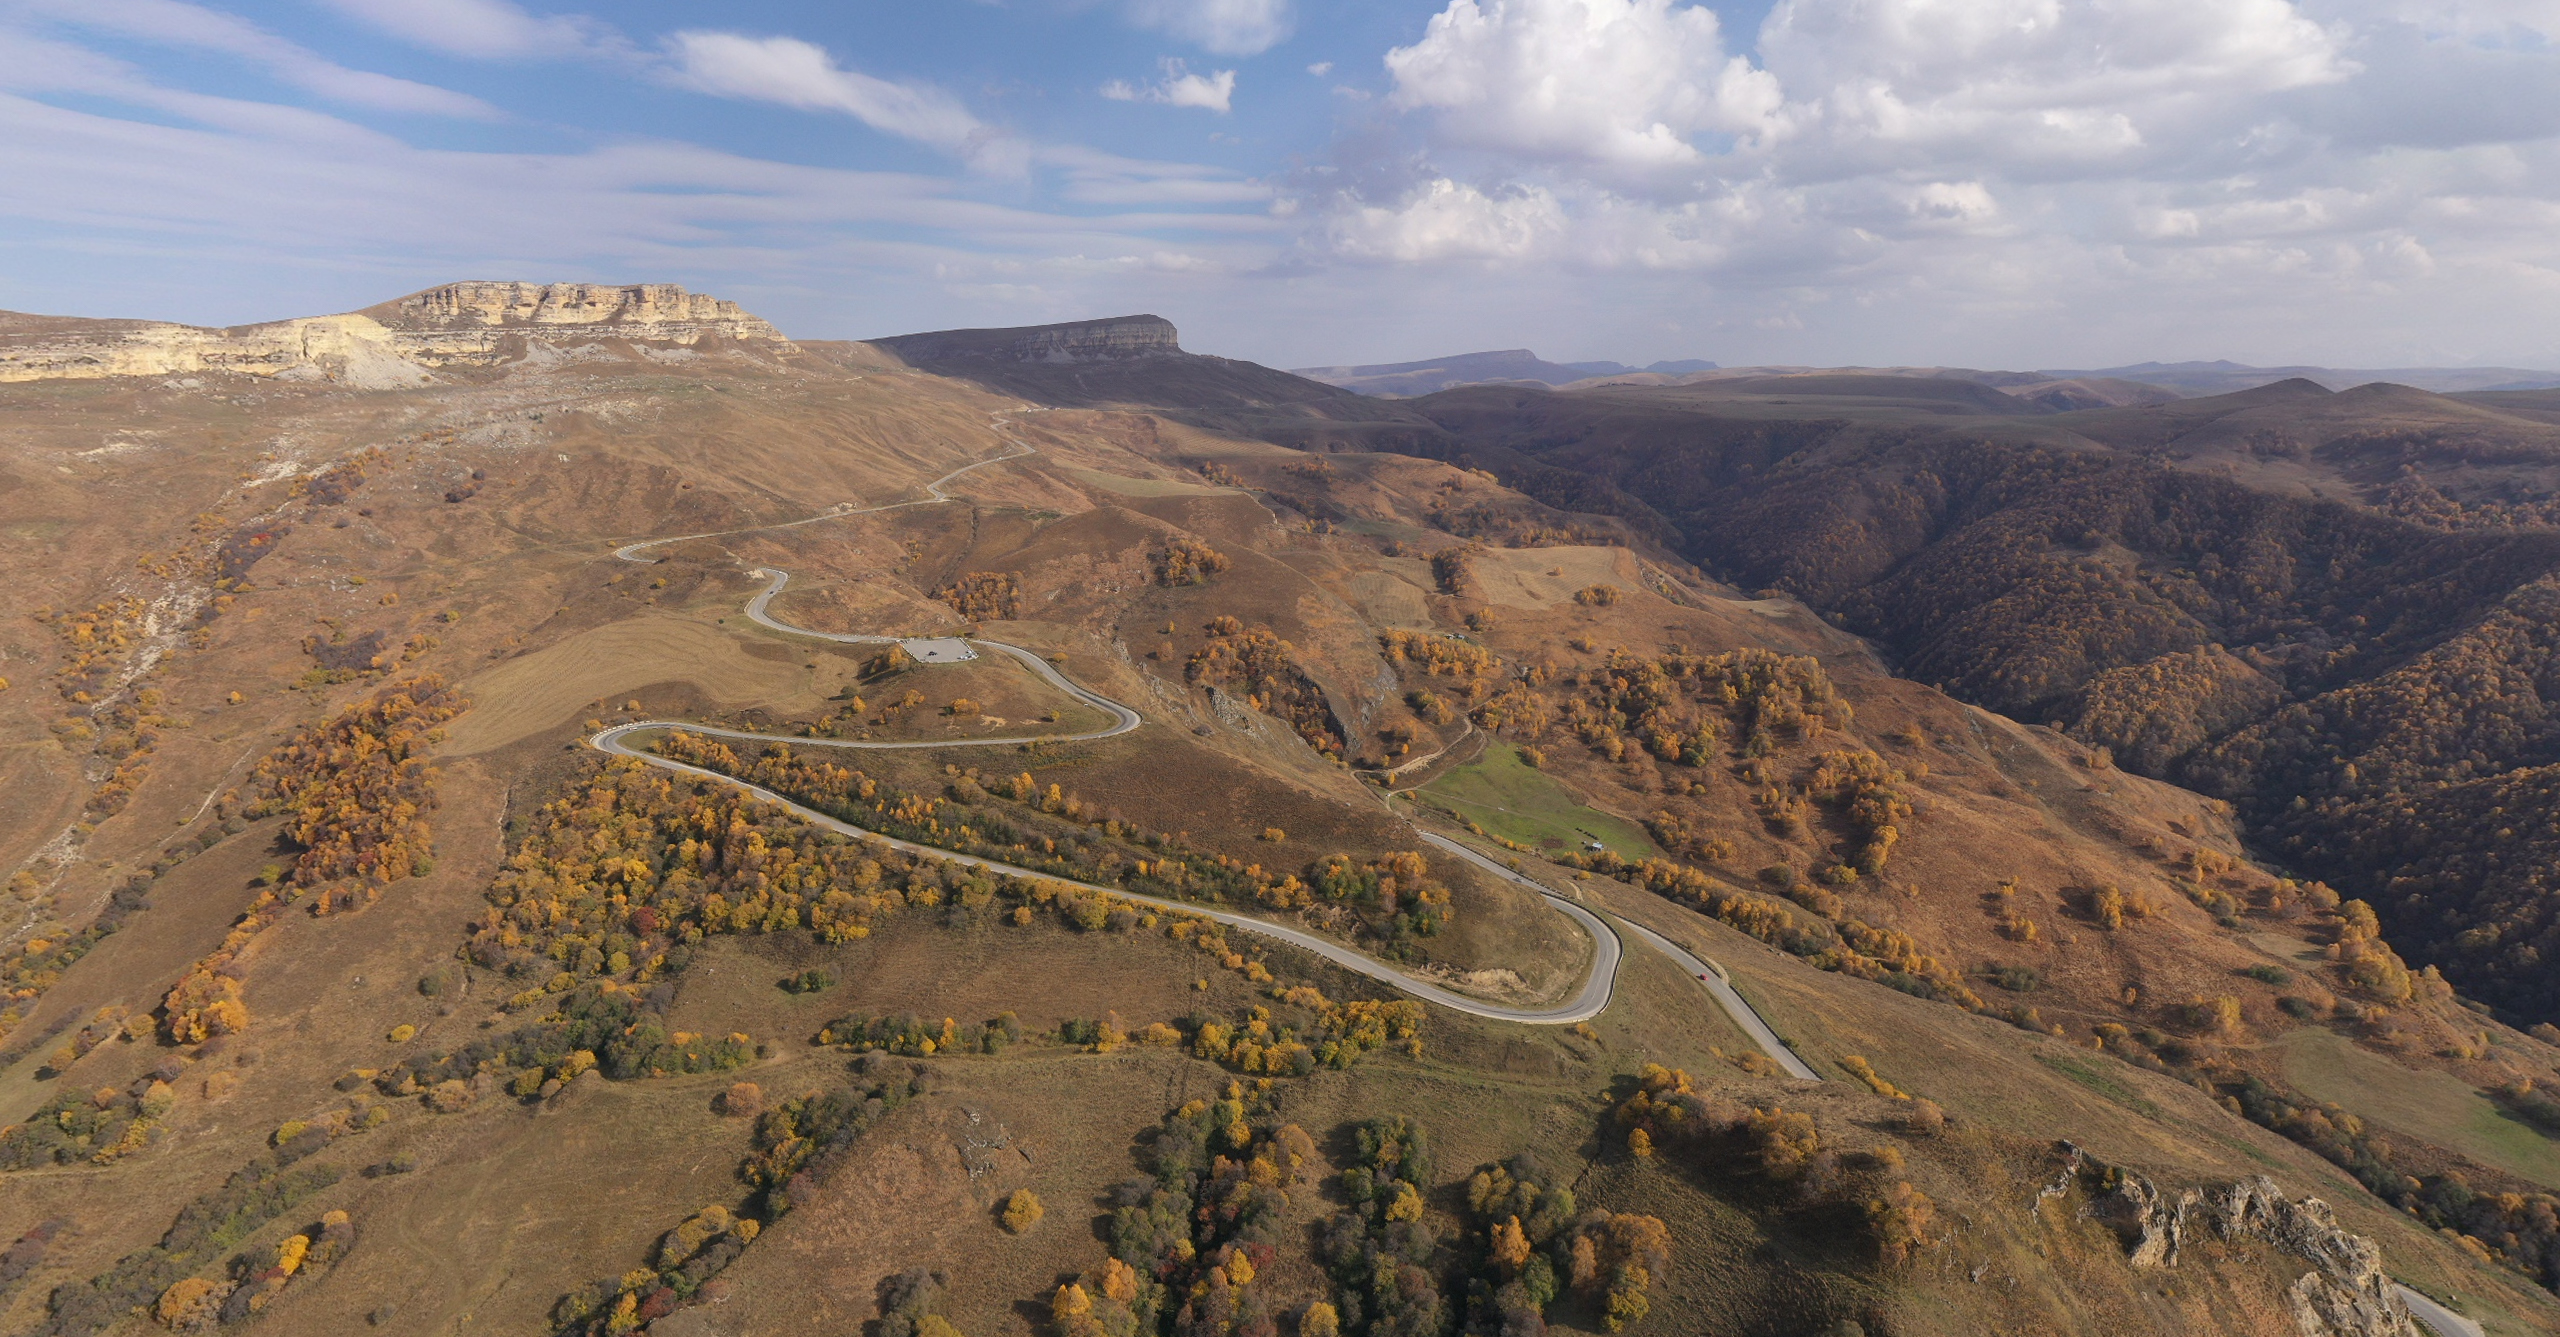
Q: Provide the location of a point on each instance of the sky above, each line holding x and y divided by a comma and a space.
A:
1988, 183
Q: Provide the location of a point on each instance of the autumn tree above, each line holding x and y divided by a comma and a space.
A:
1187, 561
982, 596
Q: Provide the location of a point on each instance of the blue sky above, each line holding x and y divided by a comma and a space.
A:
2013, 183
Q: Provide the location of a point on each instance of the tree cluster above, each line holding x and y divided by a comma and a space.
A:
256, 1278
96, 1127
984, 596
1051, 831
208, 1225
1264, 667
356, 791
1536, 1245
791, 1143
1786, 1149
598, 1025
37, 964
1850, 946
1189, 1240
27, 1253
1187, 561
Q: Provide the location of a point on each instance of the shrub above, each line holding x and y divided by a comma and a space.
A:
2015, 979
1022, 1211
981, 596
1783, 1142
743, 1100
1186, 561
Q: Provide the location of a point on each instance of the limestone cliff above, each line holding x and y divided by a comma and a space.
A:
399, 343
1114, 339
654, 311
2345, 1294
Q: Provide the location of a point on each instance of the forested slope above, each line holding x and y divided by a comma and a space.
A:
2372, 691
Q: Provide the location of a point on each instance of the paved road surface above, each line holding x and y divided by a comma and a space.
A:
2438, 1319
1590, 1002
1705, 972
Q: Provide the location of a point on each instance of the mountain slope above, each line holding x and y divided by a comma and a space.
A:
329, 1008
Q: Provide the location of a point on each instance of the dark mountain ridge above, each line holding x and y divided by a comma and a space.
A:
1502, 366
2374, 686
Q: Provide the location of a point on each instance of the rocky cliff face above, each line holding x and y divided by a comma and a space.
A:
397, 344
1117, 339
655, 311
2345, 1294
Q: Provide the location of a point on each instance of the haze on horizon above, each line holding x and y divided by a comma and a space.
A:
1991, 183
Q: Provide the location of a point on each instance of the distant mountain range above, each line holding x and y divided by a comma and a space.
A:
2222, 378
2185, 379
1510, 364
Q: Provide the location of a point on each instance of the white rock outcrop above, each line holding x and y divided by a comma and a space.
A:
392, 346
2346, 1294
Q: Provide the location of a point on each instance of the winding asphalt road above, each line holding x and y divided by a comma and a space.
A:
1608, 946
2438, 1319
1589, 1003
1607, 936
1704, 971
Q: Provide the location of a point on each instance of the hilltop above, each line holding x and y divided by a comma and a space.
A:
1507, 365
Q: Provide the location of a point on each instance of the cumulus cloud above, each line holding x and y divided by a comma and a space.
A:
1227, 27
179, 24
2057, 83
2014, 163
1179, 88
801, 74
1624, 83
1445, 220
485, 29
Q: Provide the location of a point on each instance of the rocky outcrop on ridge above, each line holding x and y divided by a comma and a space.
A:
2345, 1294
659, 312
395, 345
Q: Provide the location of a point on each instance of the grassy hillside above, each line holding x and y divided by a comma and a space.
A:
349, 989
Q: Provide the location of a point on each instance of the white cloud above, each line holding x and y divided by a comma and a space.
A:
1093, 177
2062, 83
1179, 88
1228, 27
1964, 202
175, 23
486, 29
801, 74
1321, 68
1621, 83
1448, 221
101, 196
2018, 173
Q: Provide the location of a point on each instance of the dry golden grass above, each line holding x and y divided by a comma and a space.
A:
556, 684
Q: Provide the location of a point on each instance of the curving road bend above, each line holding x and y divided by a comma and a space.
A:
1700, 969
1123, 718
1606, 938
1608, 944
2439, 1320
1589, 1003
